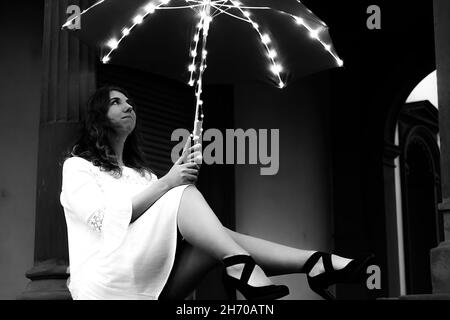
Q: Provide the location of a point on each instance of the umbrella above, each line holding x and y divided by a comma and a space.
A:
210, 41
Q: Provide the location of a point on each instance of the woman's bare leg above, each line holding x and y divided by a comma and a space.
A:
276, 259
202, 229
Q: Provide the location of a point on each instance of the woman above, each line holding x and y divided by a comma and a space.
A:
123, 223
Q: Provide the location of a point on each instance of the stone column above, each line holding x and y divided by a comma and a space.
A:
68, 79
440, 256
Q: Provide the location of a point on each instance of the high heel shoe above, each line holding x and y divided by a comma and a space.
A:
353, 272
231, 284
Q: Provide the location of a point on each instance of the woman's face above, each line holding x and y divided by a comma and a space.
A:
120, 113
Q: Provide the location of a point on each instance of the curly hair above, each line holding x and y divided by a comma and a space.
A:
93, 143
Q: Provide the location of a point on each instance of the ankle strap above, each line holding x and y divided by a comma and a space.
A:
326, 261
249, 265
311, 262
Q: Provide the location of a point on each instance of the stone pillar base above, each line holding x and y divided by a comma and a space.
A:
48, 282
440, 268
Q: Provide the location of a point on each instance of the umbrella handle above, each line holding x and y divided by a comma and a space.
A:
196, 133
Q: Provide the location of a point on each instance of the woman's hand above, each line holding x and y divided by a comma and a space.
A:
194, 154
185, 169
181, 173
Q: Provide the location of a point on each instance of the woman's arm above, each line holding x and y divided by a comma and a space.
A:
181, 173
145, 199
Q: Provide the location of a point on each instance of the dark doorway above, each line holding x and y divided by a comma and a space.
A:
418, 125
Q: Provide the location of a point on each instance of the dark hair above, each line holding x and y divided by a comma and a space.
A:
93, 143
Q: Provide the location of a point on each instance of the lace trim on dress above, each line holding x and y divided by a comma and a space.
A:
129, 175
95, 221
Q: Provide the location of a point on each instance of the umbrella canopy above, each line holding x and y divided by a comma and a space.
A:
267, 41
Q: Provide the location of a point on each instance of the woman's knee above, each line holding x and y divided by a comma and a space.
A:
191, 192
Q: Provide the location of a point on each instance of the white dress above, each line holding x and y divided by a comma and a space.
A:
110, 258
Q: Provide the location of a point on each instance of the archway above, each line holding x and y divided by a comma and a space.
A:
412, 187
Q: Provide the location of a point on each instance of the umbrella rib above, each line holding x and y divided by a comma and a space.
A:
228, 13
180, 7
276, 67
114, 44
265, 40
194, 53
315, 35
83, 12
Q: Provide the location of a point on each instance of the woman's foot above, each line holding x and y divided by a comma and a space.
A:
243, 274
337, 262
324, 269
257, 279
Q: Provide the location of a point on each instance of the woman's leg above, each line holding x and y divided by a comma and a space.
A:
190, 267
202, 229
277, 259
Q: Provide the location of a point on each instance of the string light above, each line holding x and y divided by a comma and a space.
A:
272, 54
198, 67
150, 8
276, 68
138, 19
265, 39
113, 44
314, 34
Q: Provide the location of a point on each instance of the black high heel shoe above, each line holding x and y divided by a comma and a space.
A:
270, 292
353, 272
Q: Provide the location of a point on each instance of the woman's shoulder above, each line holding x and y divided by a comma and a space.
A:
76, 162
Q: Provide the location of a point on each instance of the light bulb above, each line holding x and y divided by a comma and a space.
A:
150, 8
340, 62
246, 14
138, 19
192, 68
265, 39
272, 54
314, 34
113, 44
255, 25
106, 59
126, 32
276, 69
299, 20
